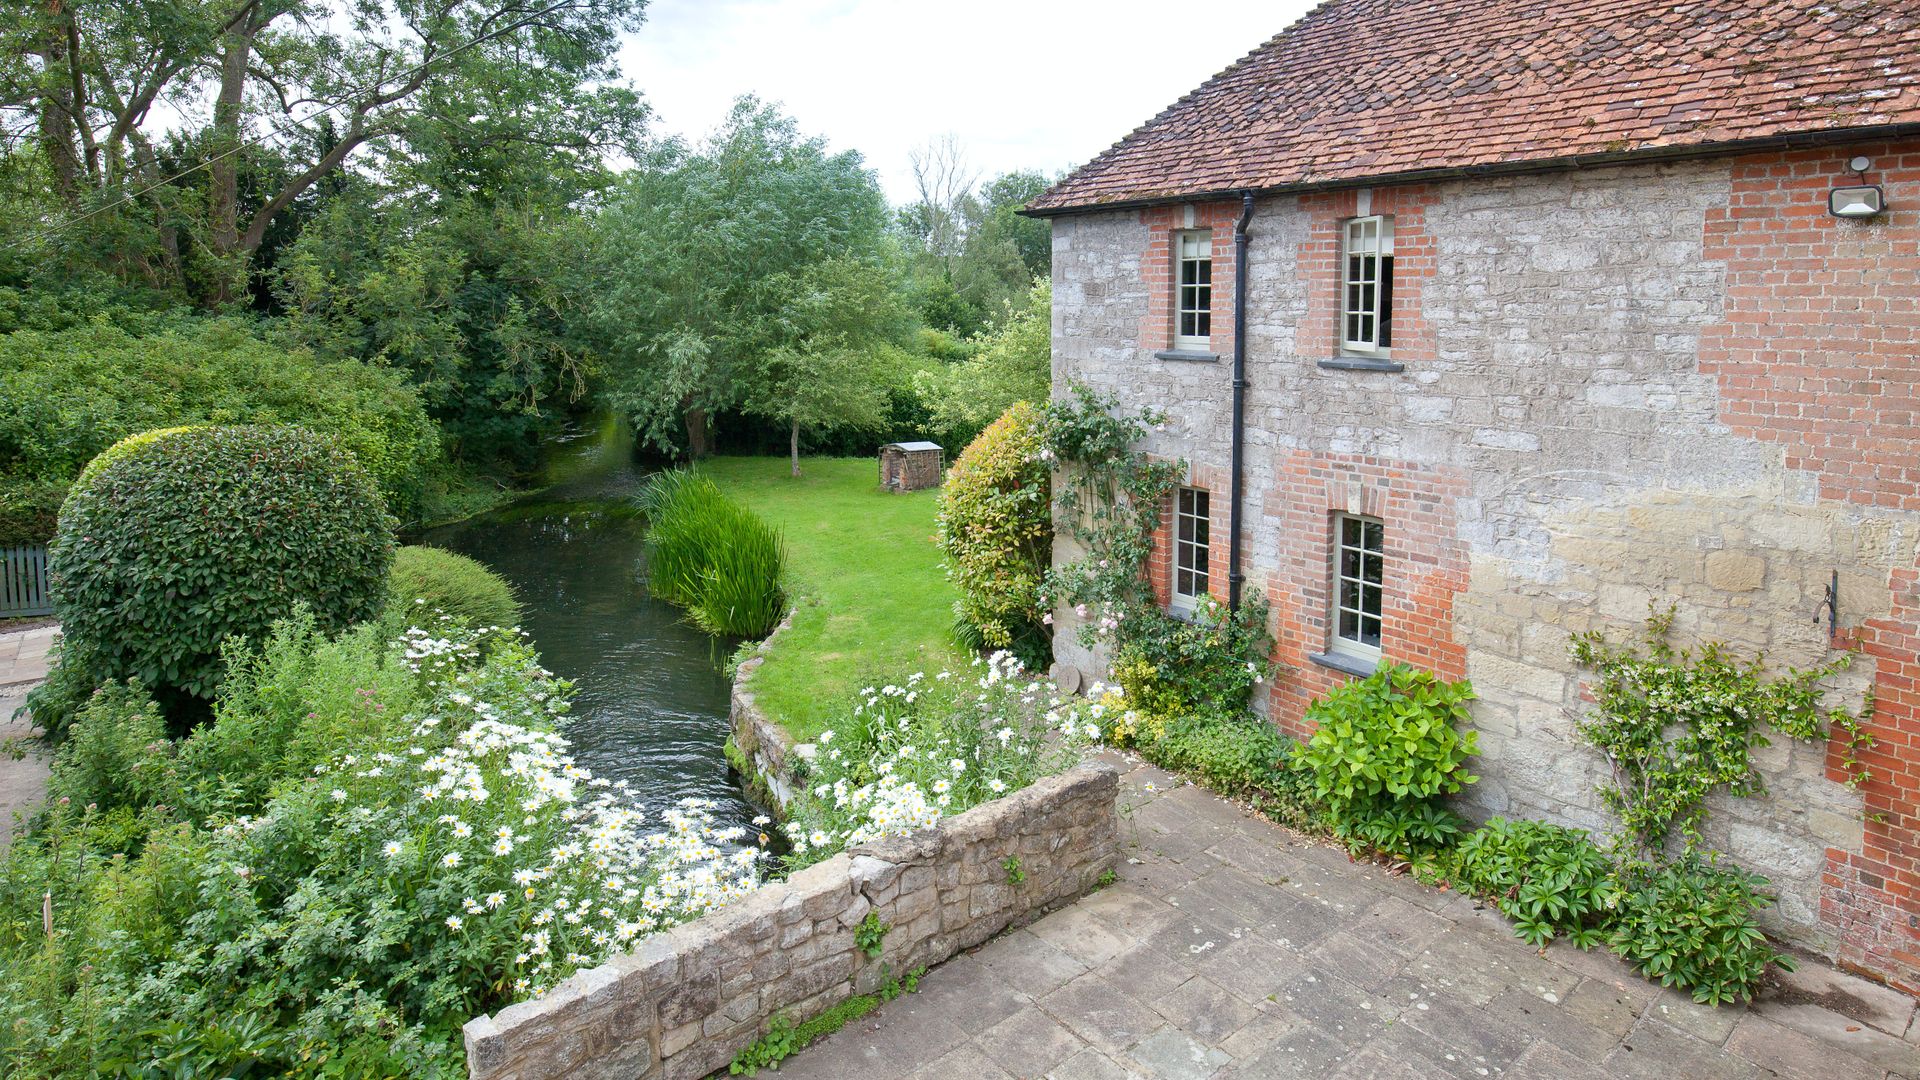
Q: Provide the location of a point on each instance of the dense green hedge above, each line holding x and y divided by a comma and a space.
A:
67, 395
996, 527
179, 541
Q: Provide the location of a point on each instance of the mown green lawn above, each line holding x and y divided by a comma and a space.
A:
870, 602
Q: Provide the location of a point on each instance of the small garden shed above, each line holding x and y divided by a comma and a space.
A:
911, 466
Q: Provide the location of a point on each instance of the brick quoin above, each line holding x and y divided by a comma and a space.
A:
1817, 353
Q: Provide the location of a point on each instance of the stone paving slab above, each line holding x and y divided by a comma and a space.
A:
23, 779
24, 655
1234, 949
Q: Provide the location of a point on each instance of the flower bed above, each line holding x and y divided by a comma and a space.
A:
376, 839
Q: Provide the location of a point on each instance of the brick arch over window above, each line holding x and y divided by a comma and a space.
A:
1426, 566
1319, 262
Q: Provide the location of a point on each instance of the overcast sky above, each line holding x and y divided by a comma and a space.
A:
1042, 84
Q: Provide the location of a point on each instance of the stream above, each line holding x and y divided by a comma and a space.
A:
651, 695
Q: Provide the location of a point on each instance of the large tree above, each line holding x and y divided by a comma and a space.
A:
199, 123
704, 251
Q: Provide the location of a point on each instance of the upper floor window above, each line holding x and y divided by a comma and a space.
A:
1359, 563
1366, 305
1190, 543
1193, 314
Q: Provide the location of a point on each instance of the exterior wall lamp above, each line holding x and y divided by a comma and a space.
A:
1857, 200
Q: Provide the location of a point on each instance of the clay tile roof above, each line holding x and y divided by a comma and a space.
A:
1362, 89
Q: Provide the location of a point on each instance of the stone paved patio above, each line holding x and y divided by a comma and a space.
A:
1233, 949
23, 781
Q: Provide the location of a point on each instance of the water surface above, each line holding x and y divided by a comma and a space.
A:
651, 697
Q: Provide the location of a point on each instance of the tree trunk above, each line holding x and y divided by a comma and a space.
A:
793, 446
699, 444
59, 106
223, 171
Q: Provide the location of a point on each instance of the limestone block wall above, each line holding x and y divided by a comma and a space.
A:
684, 1002
1666, 383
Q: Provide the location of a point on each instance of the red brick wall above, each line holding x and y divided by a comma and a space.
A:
1217, 484
1157, 270
1817, 353
1426, 565
1318, 266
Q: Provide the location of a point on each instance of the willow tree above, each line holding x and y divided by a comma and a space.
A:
707, 254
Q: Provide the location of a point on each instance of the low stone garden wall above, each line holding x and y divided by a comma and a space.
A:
762, 743
685, 1001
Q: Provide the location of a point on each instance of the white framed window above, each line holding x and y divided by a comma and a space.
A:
1366, 285
1359, 566
1190, 545
1193, 295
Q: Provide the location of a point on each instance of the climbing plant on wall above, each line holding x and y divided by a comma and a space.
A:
1109, 498
1677, 725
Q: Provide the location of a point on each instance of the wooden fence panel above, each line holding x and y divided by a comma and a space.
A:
23, 582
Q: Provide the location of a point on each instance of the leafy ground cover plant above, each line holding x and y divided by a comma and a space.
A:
442, 857
996, 528
1385, 746
1690, 924
1208, 663
712, 556
909, 753
1547, 878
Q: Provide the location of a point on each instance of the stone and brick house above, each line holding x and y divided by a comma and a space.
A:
1547, 317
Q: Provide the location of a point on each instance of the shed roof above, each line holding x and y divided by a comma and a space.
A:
912, 446
1365, 89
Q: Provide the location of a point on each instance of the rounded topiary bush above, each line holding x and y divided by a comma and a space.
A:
996, 527
436, 581
177, 540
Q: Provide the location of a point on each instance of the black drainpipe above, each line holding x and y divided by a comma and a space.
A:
1238, 451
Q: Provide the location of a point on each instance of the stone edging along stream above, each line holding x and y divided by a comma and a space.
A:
761, 743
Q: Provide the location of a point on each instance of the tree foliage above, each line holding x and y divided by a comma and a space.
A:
277, 96
712, 257
67, 395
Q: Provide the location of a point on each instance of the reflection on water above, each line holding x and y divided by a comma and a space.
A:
650, 705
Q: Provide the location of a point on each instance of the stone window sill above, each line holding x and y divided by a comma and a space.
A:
1188, 356
1361, 363
1352, 665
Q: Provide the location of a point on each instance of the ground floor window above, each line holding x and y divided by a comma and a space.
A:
1190, 539
1358, 583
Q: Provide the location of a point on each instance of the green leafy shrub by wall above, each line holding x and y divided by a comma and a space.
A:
1386, 747
433, 580
67, 395
1547, 878
1690, 924
1208, 662
712, 556
181, 541
1677, 725
996, 527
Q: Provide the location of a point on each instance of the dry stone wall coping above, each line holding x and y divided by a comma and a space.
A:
685, 1001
